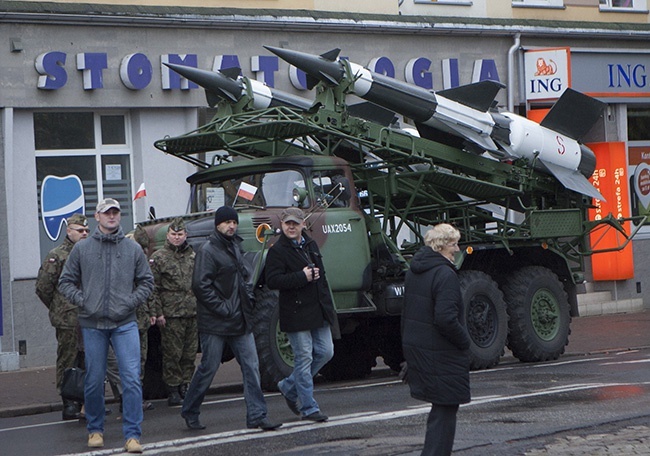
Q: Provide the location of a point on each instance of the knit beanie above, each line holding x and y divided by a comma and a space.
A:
225, 213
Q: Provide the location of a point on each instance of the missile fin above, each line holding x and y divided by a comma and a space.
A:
479, 95
232, 73
573, 114
312, 81
331, 55
212, 98
573, 180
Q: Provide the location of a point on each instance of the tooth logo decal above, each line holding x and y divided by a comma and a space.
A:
60, 198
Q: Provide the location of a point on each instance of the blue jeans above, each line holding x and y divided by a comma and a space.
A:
212, 349
126, 343
311, 351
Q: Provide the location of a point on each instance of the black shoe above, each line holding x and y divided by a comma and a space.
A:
264, 424
193, 422
293, 405
317, 417
182, 389
174, 398
71, 411
146, 405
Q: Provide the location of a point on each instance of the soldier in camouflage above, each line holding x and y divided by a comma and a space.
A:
174, 305
144, 314
63, 314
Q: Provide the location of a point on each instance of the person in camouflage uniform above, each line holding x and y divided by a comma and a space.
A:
144, 314
63, 314
174, 305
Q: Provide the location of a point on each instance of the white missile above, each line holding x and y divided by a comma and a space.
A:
464, 114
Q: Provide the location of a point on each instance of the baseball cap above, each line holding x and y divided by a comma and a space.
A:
292, 214
106, 204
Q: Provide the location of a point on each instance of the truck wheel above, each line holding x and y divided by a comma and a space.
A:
539, 314
273, 348
487, 319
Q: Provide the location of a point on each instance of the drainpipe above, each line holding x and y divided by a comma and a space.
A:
511, 72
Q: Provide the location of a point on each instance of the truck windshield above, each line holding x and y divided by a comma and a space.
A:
269, 189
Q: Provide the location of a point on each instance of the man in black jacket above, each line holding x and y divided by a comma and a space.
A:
225, 315
307, 313
435, 338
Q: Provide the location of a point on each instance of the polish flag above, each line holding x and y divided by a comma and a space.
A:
247, 191
141, 193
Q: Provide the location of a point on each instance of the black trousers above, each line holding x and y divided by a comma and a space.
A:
441, 429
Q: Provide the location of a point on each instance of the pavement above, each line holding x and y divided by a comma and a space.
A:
32, 390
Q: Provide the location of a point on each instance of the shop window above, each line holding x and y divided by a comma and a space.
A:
113, 130
64, 130
70, 180
638, 123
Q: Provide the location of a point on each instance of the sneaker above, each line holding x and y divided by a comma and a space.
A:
316, 416
133, 446
96, 440
265, 424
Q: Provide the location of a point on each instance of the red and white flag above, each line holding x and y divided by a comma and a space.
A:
141, 193
247, 191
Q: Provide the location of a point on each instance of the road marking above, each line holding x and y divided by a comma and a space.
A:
193, 443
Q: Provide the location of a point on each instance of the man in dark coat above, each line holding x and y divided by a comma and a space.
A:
435, 338
225, 315
294, 266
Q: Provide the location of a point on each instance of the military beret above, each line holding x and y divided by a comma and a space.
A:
77, 219
177, 224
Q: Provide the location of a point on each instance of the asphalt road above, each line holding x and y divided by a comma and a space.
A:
516, 409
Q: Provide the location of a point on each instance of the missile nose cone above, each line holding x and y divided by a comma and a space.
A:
323, 67
214, 83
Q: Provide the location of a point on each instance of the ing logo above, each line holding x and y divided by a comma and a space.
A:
545, 69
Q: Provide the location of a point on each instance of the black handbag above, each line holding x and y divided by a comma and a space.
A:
72, 386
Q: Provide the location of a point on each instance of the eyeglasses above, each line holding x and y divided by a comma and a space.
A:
81, 230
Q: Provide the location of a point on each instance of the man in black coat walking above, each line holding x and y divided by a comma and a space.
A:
294, 266
435, 338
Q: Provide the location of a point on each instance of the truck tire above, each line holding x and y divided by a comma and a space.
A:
539, 314
487, 318
273, 348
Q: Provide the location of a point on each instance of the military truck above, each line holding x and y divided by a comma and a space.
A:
371, 189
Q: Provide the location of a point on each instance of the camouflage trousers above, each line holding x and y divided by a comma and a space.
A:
179, 341
144, 346
66, 352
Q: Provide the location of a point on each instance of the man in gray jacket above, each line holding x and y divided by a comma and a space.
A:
107, 276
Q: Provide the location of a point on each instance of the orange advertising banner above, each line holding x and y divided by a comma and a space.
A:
610, 178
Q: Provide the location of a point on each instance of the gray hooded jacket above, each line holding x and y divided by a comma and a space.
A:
107, 276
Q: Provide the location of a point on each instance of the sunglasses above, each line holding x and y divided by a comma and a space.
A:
81, 230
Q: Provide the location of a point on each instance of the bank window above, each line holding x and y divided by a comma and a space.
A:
623, 4
638, 123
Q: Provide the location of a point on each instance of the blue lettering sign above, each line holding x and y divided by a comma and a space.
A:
382, 65
450, 73
416, 72
136, 71
92, 64
51, 68
173, 80
222, 62
547, 85
264, 67
298, 78
485, 70
627, 75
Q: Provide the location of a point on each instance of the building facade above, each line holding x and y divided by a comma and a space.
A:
84, 94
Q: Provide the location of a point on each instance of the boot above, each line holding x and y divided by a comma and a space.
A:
173, 396
71, 410
182, 390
